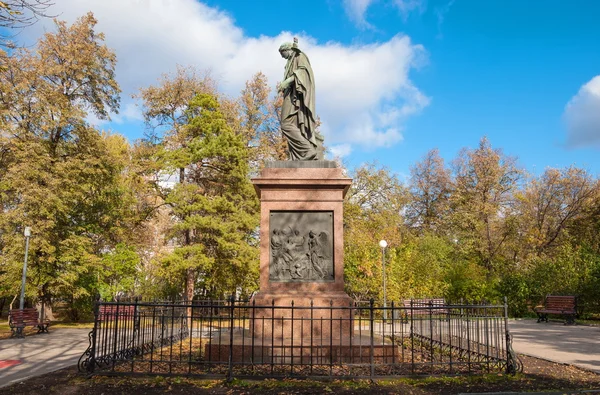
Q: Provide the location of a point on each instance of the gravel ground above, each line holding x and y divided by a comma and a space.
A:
539, 375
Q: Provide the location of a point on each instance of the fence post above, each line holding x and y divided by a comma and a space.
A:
292, 341
272, 335
513, 364
231, 316
91, 363
115, 333
412, 338
253, 331
134, 351
393, 336
312, 358
449, 315
136, 315
372, 336
330, 337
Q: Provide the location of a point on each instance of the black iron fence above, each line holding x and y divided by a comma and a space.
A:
241, 339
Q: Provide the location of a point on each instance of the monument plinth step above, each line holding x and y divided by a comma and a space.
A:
351, 350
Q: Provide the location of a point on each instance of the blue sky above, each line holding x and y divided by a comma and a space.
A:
395, 78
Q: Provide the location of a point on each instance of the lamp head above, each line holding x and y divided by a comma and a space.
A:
27, 231
383, 244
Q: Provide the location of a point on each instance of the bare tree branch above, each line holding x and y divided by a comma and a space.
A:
16, 15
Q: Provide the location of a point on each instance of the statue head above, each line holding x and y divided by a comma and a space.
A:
287, 49
285, 46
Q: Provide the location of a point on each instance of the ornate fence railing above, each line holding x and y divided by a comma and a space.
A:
241, 339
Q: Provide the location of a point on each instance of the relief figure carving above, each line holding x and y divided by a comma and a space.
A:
298, 258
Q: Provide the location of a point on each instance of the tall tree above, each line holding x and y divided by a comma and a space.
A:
60, 176
482, 202
215, 209
167, 112
552, 203
372, 211
430, 187
260, 123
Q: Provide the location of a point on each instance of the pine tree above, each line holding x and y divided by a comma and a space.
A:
59, 174
213, 205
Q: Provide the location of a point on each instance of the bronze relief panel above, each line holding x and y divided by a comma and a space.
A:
301, 244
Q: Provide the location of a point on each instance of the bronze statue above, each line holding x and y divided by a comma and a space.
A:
298, 109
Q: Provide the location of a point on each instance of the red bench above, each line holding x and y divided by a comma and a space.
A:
433, 306
21, 318
109, 312
558, 305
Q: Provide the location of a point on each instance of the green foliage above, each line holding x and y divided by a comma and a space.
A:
516, 287
428, 261
555, 275
215, 205
371, 213
106, 220
60, 175
118, 271
469, 282
590, 288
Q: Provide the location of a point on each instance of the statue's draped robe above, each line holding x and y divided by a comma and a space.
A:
298, 111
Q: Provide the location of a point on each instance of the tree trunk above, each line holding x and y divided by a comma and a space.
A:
46, 307
189, 290
2, 303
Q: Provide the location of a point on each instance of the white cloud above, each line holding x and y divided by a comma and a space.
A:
406, 7
129, 112
356, 10
440, 13
341, 150
582, 116
363, 91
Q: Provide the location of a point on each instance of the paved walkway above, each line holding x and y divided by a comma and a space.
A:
40, 354
573, 344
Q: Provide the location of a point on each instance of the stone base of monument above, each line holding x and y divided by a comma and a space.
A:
353, 350
301, 313
302, 316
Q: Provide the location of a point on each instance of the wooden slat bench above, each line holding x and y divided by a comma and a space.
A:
19, 319
434, 306
108, 312
558, 305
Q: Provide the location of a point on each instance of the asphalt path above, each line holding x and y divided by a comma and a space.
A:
577, 345
40, 354
35, 355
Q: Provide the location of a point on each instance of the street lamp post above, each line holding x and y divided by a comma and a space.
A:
383, 244
27, 234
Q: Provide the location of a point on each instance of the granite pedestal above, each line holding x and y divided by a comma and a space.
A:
301, 314
305, 196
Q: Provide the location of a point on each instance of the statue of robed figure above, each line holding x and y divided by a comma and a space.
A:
298, 109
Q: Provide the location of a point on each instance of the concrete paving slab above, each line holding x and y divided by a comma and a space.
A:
577, 345
40, 354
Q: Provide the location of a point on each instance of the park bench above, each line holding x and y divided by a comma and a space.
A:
434, 306
19, 319
109, 312
558, 305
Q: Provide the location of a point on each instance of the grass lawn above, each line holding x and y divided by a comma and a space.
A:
539, 375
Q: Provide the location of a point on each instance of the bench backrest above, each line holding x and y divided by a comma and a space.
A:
109, 312
419, 303
555, 302
24, 316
